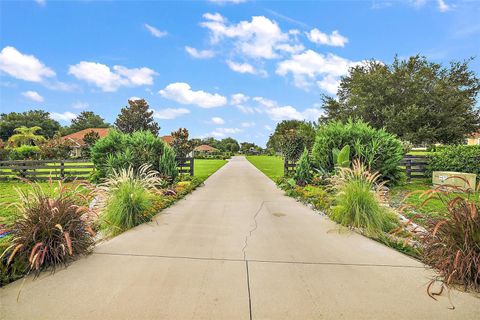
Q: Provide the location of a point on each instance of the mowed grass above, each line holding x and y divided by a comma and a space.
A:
271, 166
204, 168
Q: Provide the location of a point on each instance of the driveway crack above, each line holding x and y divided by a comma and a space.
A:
251, 230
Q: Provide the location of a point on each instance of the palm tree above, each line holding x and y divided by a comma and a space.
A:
26, 136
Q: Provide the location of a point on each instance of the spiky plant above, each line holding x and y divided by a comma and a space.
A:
127, 196
168, 164
357, 203
303, 173
452, 244
49, 231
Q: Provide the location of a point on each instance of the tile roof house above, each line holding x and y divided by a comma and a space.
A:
168, 140
205, 148
474, 138
77, 139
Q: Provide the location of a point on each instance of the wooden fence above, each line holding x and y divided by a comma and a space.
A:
415, 166
45, 169
64, 169
185, 165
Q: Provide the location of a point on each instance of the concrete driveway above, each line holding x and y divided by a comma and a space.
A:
237, 248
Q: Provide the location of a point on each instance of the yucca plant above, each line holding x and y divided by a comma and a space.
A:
127, 198
303, 173
357, 200
49, 231
451, 245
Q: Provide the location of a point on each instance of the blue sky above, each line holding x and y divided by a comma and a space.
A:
219, 68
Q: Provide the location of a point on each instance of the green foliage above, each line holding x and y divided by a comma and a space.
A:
460, 158
137, 116
24, 152
180, 144
10, 121
3, 150
129, 197
303, 174
26, 136
168, 165
292, 146
301, 130
119, 150
86, 120
356, 202
452, 244
228, 145
250, 148
341, 158
49, 231
418, 100
56, 148
89, 139
314, 195
378, 149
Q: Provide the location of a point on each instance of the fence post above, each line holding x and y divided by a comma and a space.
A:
192, 166
408, 168
62, 168
285, 168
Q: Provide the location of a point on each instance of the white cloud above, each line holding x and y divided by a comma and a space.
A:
80, 105
23, 66
65, 116
238, 98
110, 80
247, 124
307, 66
258, 38
33, 95
134, 98
170, 113
223, 132
154, 31
329, 83
218, 120
267, 127
245, 109
335, 39
200, 54
241, 67
181, 92
278, 112
443, 6
41, 2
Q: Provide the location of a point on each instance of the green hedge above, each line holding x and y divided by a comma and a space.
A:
376, 148
459, 158
119, 150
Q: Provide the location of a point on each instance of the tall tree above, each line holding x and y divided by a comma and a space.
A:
418, 100
180, 144
229, 145
10, 121
26, 136
137, 116
302, 132
85, 120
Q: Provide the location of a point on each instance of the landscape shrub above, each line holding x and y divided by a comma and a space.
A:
3, 151
379, 150
56, 148
303, 173
357, 203
460, 158
452, 245
168, 165
24, 152
120, 151
128, 196
48, 231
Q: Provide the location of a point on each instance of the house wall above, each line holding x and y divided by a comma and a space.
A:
473, 141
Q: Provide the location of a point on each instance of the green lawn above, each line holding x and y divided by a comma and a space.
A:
271, 166
204, 168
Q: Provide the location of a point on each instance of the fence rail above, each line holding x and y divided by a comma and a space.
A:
415, 166
45, 169
64, 169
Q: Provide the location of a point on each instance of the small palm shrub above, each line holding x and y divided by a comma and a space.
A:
128, 196
377, 149
303, 174
49, 231
357, 203
452, 245
168, 165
